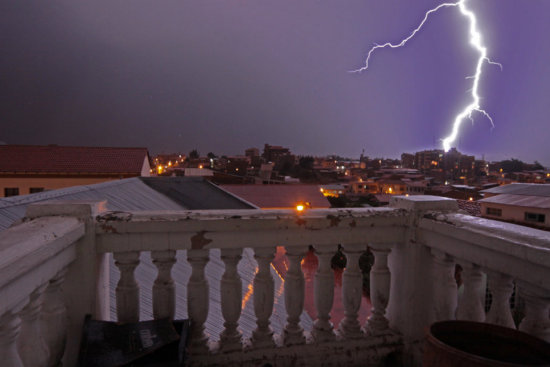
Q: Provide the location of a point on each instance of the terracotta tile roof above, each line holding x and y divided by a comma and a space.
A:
60, 159
472, 207
279, 196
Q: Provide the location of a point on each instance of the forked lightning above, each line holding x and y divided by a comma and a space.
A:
476, 42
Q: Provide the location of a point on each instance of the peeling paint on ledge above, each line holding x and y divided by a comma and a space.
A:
199, 241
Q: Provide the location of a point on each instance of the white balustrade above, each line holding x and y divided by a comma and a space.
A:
352, 291
264, 290
198, 300
54, 318
501, 287
231, 293
537, 311
324, 294
35, 327
294, 295
10, 327
445, 287
127, 289
380, 278
471, 305
32, 348
164, 294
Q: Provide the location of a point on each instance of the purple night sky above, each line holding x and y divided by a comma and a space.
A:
223, 76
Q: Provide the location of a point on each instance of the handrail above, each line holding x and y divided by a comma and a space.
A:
141, 231
34, 250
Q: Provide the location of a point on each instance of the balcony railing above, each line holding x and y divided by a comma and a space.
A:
54, 270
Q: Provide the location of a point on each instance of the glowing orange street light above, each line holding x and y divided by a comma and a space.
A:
300, 207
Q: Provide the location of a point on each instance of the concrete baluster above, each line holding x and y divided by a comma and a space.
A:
54, 319
32, 348
501, 288
10, 326
127, 289
537, 304
198, 300
164, 293
264, 292
352, 291
231, 293
294, 296
471, 305
380, 278
445, 287
324, 294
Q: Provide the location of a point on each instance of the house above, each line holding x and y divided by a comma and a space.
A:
27, 169
333, 190
527, 204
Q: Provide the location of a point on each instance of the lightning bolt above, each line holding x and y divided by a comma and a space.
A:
477, 44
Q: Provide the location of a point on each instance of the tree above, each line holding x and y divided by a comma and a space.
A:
512, 165
538, 166
194, 154
211, 155
306, 162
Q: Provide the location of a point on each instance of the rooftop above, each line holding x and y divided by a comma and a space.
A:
530, 201
279, 196
521, 189
64, 159
136, 193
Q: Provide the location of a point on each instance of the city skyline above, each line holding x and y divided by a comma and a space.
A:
223, 77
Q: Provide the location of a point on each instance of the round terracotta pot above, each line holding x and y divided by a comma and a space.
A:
473, 344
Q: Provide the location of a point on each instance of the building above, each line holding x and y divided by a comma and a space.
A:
428, 159
527, 204
408, 160
274, 153
252, 153
27, 169
458, 166
333, 190
363, 187
392, 186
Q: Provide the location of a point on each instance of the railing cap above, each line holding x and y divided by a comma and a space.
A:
81, 209
423, 203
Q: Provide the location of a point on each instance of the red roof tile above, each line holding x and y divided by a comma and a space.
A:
279, 196
472, 207
59, 159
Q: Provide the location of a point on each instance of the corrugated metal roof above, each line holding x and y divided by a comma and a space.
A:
521, 189
146, 273
519, 200
195, 193
137, 193
127, 194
